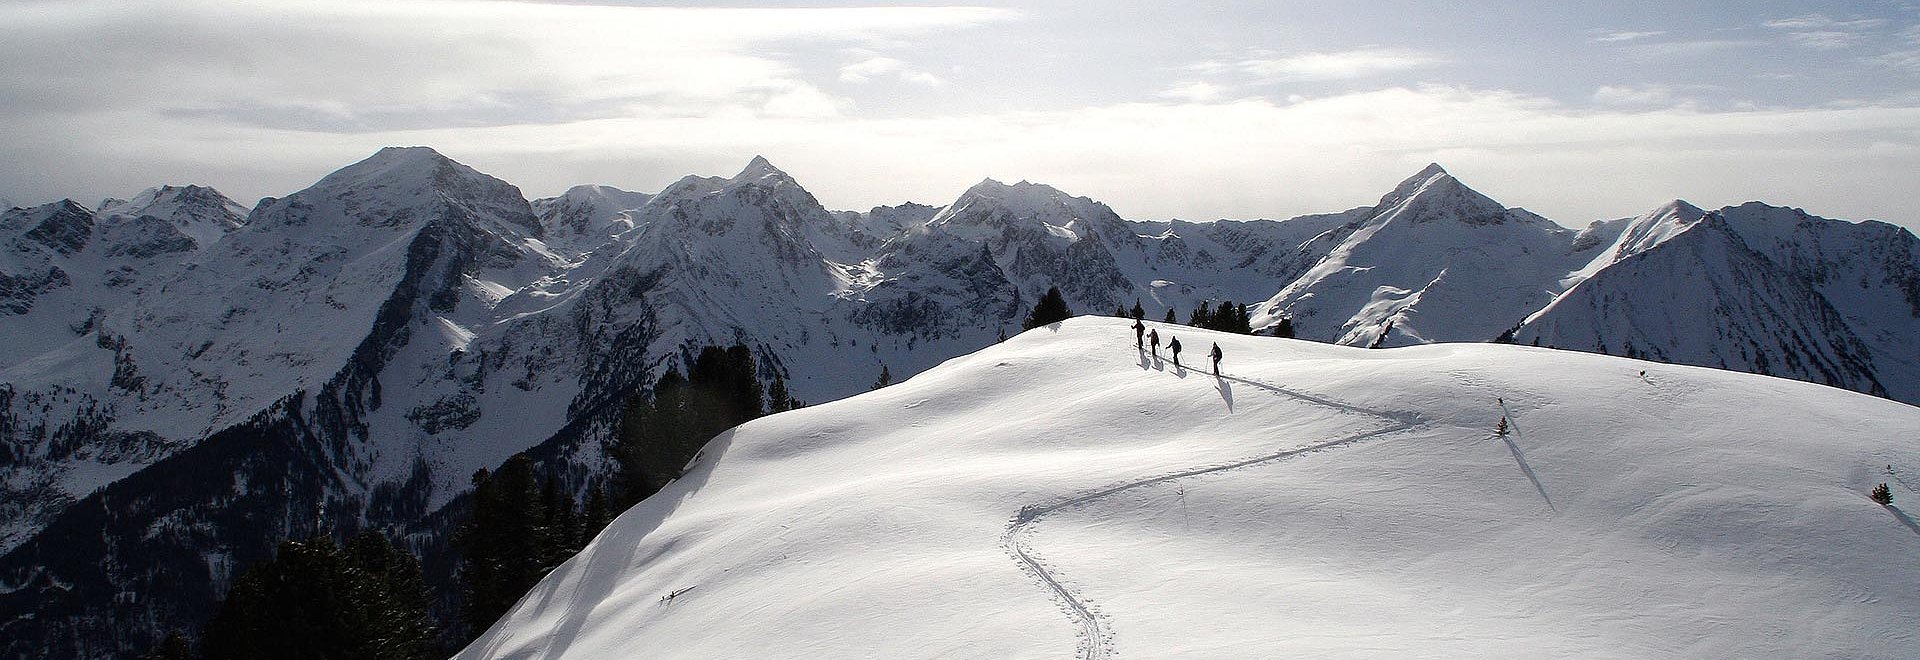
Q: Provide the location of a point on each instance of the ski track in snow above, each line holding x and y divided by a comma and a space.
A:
1096, 636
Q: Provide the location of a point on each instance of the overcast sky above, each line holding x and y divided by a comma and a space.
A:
1578, 111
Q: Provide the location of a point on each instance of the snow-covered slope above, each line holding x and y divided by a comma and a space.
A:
1434, 261
376, 338
585, 217
64, 270
1752, 288
1063, 494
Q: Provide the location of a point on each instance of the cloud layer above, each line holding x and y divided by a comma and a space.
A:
871, 106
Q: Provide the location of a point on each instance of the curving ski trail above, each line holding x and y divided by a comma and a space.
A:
1096, 638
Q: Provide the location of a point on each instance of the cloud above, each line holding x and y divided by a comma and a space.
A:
1905, 60
1643, 95
368, 65
1692, 48
1826, 39
1193, 92
1616, 37
865, 71
1818, 32
1822, 22
1270, 66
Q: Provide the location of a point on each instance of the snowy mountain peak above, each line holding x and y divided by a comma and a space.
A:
1657, 226
759, 168
397, 186
63, 226
1433, 194
198, 212
995, 204
589, 211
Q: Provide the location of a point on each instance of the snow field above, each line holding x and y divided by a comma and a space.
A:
1693, 513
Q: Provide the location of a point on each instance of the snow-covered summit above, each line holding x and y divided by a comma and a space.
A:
1432, 194
1064, 495
991, 207
198, 212
1433, 261
758, 168
585, 216
399, 184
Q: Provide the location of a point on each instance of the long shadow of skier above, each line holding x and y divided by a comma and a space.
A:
1521, 458
1226, 390
1904, 519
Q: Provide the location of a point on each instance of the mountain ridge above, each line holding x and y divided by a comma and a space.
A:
408, 320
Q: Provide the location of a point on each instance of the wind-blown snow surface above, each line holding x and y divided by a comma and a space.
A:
1373, 512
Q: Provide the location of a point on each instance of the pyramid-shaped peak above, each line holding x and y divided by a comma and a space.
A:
1683, 208
389, 161
406, 167
758, 168
1431, 174
1434, 194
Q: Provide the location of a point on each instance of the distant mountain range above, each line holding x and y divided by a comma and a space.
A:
186, 381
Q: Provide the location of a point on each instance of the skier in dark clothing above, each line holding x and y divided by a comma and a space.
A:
1174, 344
1139, 330
1153, 336
1216, 358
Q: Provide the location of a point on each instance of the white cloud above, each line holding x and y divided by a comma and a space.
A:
1826, 39
1690, 48
1198, 91
366, 65
1643, 95
1616, 37
867, 70
1905, 60
1269, 66
1822, 22
1818, 32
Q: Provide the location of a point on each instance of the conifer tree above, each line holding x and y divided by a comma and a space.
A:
778, 399
1138, 312
886, 378
594, 516
505, 545
1052, 308
660, 433
1882, 495
1284, 328
173, 647
1201, 315
1170, 318
315, 600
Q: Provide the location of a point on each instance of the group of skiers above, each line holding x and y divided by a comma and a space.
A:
1145, 338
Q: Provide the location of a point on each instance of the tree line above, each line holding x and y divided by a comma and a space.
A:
367, 599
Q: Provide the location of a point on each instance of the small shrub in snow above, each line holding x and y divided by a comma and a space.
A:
1882, 495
